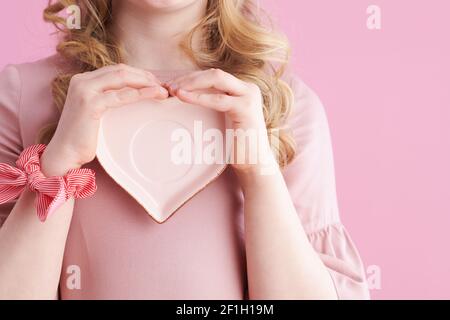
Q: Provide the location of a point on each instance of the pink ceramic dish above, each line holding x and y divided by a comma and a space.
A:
139, 146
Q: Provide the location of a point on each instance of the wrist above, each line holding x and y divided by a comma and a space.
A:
252, 176
54, 163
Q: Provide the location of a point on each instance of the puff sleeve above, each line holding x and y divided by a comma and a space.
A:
311, 183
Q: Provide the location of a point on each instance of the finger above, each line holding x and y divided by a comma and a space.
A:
218, 102
209, 79
173, 84
119, 79
156, 92
118, 98
121, 66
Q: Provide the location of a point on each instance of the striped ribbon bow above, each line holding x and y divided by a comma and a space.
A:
52, 192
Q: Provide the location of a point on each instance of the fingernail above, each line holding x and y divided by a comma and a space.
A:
173, 86
162, 90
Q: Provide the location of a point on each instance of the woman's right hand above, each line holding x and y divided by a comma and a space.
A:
89, 95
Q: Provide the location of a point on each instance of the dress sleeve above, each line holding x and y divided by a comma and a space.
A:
10, 136
311, 183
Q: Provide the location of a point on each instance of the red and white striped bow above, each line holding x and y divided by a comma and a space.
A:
52, 192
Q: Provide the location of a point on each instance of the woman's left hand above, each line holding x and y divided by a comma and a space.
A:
241, 101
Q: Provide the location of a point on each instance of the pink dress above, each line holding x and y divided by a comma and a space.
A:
198, 253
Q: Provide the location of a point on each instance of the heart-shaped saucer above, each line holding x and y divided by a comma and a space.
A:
151, 149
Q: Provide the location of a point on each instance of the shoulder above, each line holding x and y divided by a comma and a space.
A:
307, 107
30, 76
47, 65
310, 176
26, 94
308, 120
19, 79
37, 74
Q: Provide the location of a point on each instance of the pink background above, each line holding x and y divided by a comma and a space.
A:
387, 95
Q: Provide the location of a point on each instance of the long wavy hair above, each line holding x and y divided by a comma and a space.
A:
235, 39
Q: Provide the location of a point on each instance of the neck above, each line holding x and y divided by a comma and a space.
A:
151, 37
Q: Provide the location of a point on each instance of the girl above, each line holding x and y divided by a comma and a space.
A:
246, 235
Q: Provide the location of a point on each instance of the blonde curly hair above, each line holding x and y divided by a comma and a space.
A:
234, 40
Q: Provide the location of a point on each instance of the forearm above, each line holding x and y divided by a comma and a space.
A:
31, 252
281, 263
